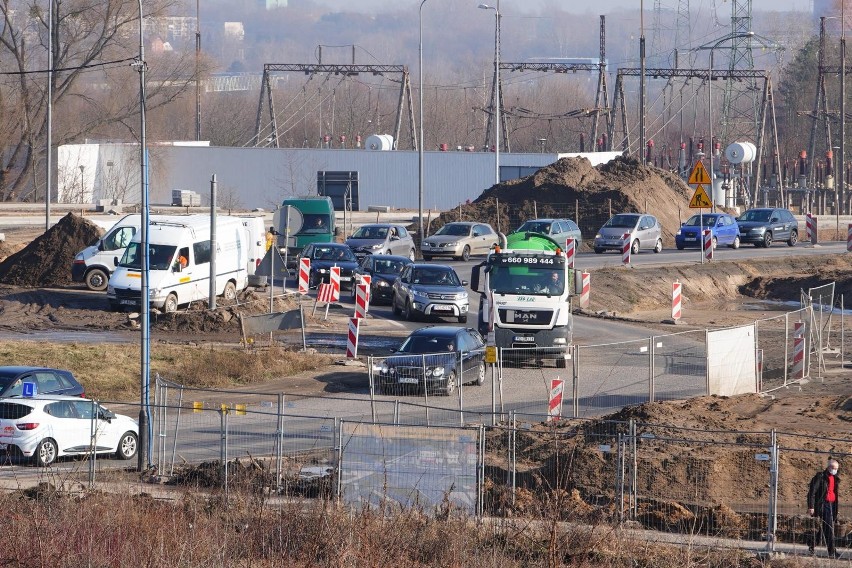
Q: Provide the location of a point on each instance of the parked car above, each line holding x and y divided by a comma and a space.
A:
47, 381
383, 270
436, 358
557, 229
460, 239
430, 290
723, 231
325, 255
645, 233
382, 239
46, 427
762, 227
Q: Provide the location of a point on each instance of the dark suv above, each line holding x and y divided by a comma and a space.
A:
47, 381
762, 227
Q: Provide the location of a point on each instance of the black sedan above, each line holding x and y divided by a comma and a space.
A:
15, 381
326, 255
437, 358
382, 269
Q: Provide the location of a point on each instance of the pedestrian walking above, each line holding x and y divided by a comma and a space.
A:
823, 499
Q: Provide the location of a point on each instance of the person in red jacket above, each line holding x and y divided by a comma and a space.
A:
823, 499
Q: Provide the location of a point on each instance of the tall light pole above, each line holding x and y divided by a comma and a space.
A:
642, 97
496, 88
841, 165
145, 307
48, 174
197, 70
711, 148
420, 146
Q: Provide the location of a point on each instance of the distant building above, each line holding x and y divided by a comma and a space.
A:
270, 4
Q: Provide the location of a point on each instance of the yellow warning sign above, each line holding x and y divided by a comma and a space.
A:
699, 199
699, 175
490, 354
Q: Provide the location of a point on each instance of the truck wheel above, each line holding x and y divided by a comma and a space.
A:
171, 304
97, 279
230, 292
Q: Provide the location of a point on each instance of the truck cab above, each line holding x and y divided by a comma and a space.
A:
317, 225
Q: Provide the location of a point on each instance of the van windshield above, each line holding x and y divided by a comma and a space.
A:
159, 257
315, 224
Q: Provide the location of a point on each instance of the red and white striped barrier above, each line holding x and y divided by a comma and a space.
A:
325, 293
625, 248
585, 289
677, 288
368, 280
352, 339
362, 297
334, 279
708, 244
570, 251
811, 228
798, 351
304, 274
849, 238
554, 408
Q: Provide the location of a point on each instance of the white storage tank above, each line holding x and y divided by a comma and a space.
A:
379, 142
741, 152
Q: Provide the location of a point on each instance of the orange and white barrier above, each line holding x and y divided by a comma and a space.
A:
811, 228
570, 251
849, 238
677, 288
362, 298
352, 339
325, 293
554, 408
708, 244
584, 289
368, 280
304, 274
334, 279
625, 248
798, 351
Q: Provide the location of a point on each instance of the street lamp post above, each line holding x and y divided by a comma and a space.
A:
420, 147
496, 88
82, 183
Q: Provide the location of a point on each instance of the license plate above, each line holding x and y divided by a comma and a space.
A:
408, 380
525, 339
442, 308
345, 278
690, 239
127, 302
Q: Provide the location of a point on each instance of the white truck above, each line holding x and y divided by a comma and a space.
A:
179, 253
525, 299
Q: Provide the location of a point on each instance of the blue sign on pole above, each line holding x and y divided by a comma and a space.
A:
30, 390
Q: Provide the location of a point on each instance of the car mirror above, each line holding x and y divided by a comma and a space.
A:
115, 260
464, 282
774, 220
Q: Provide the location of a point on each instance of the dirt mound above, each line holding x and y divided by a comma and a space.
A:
46, 261
621, 185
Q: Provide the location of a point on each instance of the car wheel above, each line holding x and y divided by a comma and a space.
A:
679, 247
127, 446
736, 243
465, 255
450, 383
171, 304
412, 255
97, 280
480, 375
407, 311
45, 453
463, 319
658, 247
767, 239
396, 311
794, 238
634, 247
598, 250
714, 243
427, 257
230, 292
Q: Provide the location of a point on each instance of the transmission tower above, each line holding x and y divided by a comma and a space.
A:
740, 106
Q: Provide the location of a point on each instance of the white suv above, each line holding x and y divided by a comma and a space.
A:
45, 427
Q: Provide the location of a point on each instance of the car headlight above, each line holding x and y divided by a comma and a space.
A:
154, 292
678, 233
377, 246
435, 372
453, 244
758, 230
322, 270
419, 294
560, 340
382, 283
598, 236
461, 296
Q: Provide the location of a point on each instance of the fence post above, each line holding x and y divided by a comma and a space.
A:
634, 508
371, 377
514, 453
460, 356
223, 445
481, 474
93, 443
786, 342
279, 440
651, 369
772, 517
575, 381
339, 488
619, 477
842, 336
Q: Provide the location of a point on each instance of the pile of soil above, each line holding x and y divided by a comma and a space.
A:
623, 182
46, 261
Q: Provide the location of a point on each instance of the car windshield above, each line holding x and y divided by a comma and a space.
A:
623, 221
159, 257
419, 344
454, 230
333, 253
435, 277
371, 233
758, 215
707, 220
535, 227
315, 224
389, 266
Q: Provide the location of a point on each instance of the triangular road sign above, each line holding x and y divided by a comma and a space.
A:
699, 198
699, 174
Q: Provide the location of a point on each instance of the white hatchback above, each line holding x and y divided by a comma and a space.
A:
46, 427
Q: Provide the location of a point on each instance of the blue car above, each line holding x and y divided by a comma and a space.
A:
723, 230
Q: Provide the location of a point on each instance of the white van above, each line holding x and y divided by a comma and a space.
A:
94, 264
179, 252
256, 227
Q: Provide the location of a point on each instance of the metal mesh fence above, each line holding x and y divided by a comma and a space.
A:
612, 376
680, 365
524, 379
776, 347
